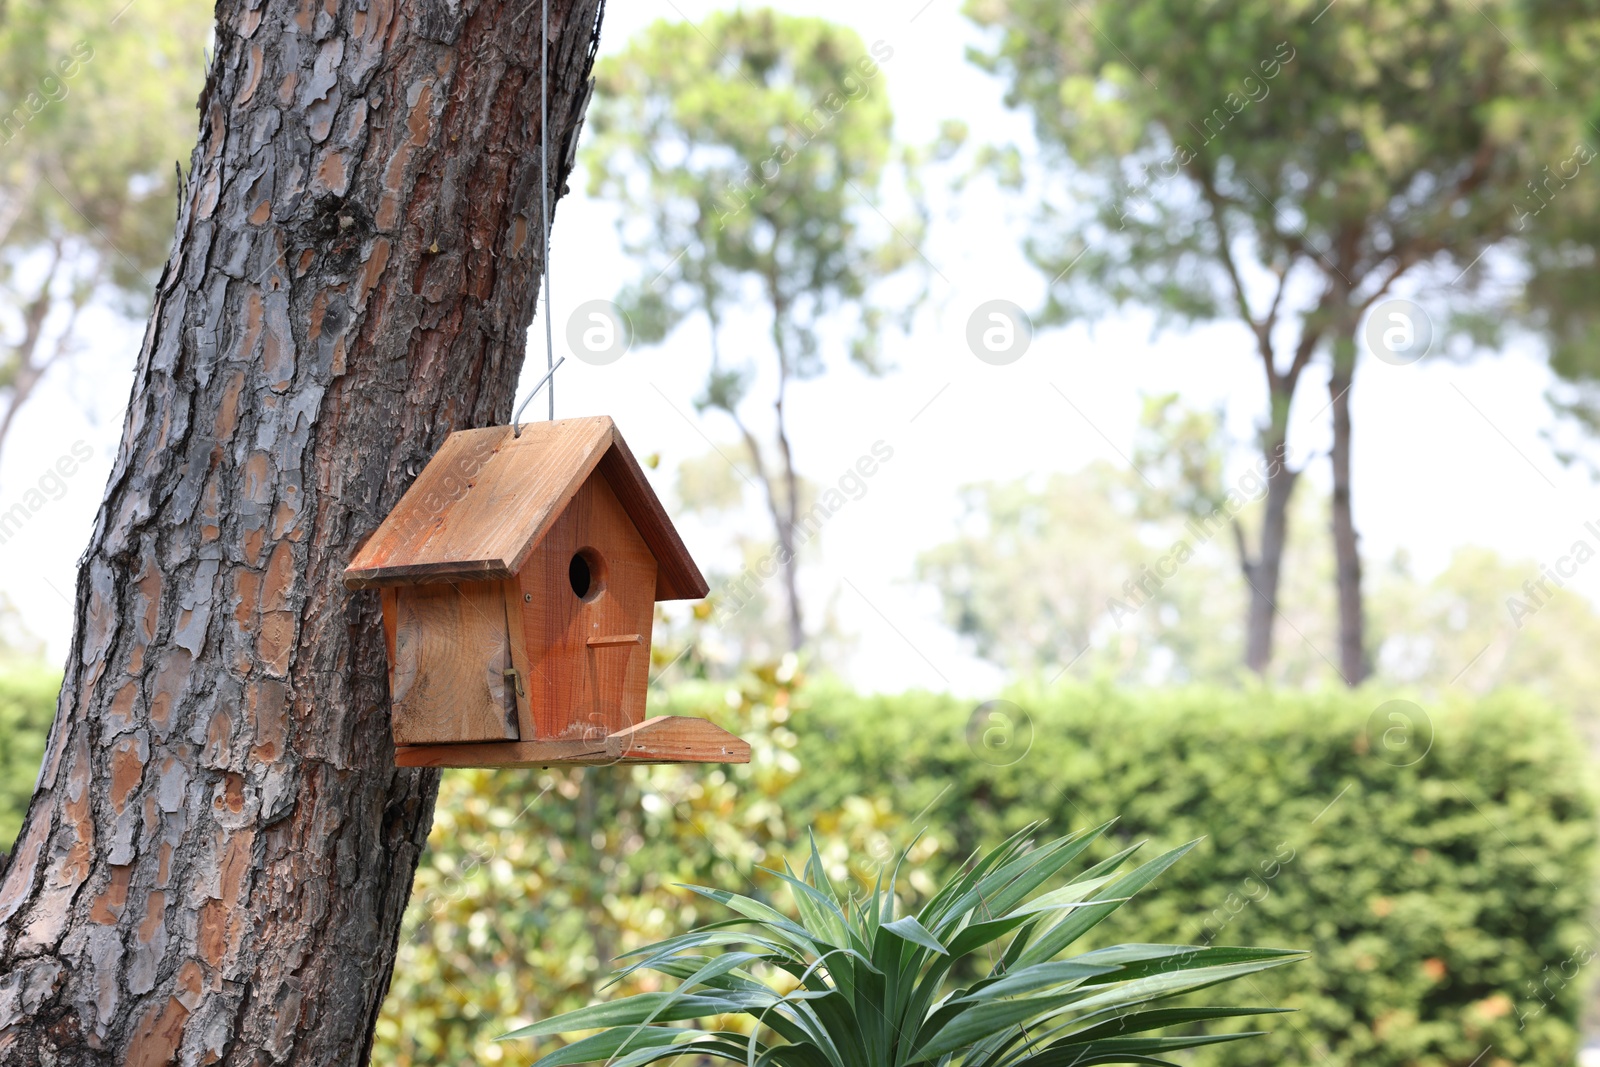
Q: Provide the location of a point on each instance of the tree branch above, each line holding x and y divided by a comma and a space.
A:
1224, 247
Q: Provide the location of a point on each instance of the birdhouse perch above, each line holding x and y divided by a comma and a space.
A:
519, 576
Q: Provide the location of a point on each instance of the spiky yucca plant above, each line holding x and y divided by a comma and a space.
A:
875, 990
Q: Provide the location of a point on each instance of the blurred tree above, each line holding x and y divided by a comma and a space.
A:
96, 107
1559, 303
1033, 568
1126, 572
749, 155
1486, 623
1046, 576
1180, 454
1285, 167
744, 620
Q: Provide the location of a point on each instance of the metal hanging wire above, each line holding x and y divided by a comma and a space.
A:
550, 361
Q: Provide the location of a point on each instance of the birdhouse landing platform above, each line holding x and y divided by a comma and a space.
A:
519, 576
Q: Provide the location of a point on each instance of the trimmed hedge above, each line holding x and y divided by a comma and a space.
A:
1447, 903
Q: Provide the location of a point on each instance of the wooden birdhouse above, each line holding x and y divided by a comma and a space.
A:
519, 576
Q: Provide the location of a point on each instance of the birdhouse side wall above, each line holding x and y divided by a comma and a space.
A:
587, 649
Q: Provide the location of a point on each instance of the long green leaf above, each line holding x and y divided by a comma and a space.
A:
979, 1021
1137, 961
1124, 1049
1038, 976
609, 1043
1156, 1018
1082, 920
910, 930
631, 1011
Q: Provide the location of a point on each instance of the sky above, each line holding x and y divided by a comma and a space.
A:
1447, 454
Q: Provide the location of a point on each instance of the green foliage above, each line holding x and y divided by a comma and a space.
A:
1486, 623
27, 706
1432, 897
98, 106
96, 109
741, 150
749, 155
1180, 454
850, 980
1034, 566
95, 114
1445, 904
535, 879
1247, 141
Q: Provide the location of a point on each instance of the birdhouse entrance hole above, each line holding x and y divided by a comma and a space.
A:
587, 574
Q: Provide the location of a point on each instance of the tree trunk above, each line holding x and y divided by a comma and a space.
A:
787, 539
1263, 573
219, 849
1353, 661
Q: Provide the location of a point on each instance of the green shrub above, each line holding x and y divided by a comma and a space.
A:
27, 704
1446, 903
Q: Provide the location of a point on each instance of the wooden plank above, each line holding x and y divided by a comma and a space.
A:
387, 601
677, 576
487, 500
679, 739
519, 657
481, 504
615, 639
663, 739
447, 681
581, 691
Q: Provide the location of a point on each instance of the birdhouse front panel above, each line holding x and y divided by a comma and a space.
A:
451, 669
588, 602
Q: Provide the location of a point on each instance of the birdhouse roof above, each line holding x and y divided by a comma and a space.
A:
485, 501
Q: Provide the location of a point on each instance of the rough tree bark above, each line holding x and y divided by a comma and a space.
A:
219, 850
